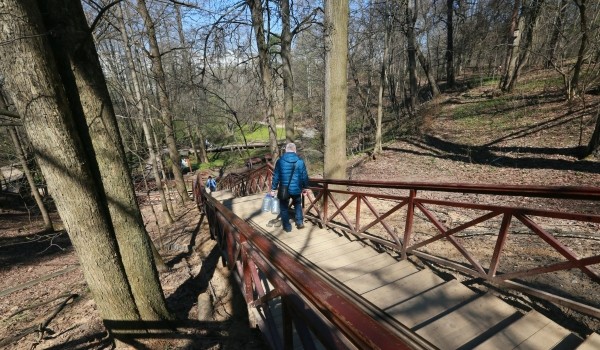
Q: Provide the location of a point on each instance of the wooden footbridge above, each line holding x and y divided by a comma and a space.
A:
389, 265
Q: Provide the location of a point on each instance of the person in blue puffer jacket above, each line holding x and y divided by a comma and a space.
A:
290, 165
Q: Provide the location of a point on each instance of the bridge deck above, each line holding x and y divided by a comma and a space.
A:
443, 311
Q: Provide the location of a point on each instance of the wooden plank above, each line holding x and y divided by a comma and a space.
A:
294, 240
467, 322
517, 333
591, 343
431, 303
328, 249
381, 277
362, 267
346, 259
334, 252
403, 289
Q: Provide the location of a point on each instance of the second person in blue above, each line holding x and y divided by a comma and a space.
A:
290, 172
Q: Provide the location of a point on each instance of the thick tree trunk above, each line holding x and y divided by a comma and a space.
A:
36, 88
286, 71
266, 82
82, 74
531, 19
512, 45
166, 112
336, 88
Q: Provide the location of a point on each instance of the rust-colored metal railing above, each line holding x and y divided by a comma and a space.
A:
251, 181
528, 238
447, 229
309, 304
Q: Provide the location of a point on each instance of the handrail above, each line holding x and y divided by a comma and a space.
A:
348, 214
393, 227
308, 301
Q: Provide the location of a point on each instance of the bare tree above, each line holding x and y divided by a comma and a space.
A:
266, 79
163, 100
142, 113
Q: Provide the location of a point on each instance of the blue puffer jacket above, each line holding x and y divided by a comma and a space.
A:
283, 170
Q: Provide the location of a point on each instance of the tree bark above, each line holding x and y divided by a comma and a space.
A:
266, 80
556, 30
513, 37
530, 23
12, 130
36, 88
435, 90
336, 88
286, 71
594, 144
34, 191
450, 43
82, 75
166, 112
582, 48
411, 17
203, 155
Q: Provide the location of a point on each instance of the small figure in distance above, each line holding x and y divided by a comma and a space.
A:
211, 184
290, 172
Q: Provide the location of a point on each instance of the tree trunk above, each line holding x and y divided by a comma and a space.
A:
531, 18
594, 144
266, 82
142, 114
411, 17
382, 74
166, 112
450, 43
81, 74
556, 30
36, 88
286, 71
203, 155
34, 191
435, 90
514, 35
21, 155
192, 141
336, 88
575, 90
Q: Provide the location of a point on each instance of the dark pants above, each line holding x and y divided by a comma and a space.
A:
285, 216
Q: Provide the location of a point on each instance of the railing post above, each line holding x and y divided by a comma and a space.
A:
325, 203
410, 211
357, 221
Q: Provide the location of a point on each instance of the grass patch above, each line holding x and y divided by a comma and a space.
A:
258, 133
539, 84
478, 109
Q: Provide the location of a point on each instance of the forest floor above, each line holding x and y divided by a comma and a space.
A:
525, 139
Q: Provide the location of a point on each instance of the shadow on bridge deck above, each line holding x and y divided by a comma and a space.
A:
443, 311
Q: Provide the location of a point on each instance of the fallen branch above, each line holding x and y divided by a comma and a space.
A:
37, 280
41, 327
